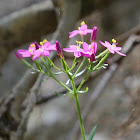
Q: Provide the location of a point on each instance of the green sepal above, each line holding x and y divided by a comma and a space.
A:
92, 133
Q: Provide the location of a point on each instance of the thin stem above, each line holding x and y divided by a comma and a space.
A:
82, 63
80, 117
86, 76
81, 84
51, 75
52, 64
102, 54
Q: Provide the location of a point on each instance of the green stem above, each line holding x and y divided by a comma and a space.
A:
82, 63
52, 64
102, 54
51, 75
81, 84
79, 115
86, 76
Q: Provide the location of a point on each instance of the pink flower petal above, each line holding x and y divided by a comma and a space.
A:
46, 53
108, 44
89, 30
104, 44
77, 54
68, 50
83, 27
117, 48
73, 34
85, 46
120, 53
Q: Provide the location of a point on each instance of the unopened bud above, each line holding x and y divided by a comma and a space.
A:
18, 55
58, 49
94, 34
92, 57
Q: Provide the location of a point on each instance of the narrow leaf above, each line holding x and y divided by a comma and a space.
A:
86, 90
57, 73
81, 72
59, 94
68, 81
92, 133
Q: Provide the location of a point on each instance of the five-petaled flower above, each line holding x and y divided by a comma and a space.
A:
36, 50
76, 49
30, 51
81, 30
112, 47
45, 49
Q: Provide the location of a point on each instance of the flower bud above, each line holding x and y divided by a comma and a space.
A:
94, 34
92, 57
18, 55
58, 49
36, 45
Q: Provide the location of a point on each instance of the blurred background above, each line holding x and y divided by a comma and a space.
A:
117, 110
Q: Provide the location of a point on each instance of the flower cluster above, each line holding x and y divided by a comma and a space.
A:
87, 51
81, 49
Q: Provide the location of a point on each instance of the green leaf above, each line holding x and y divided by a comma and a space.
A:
81, 72
92, 133
59, 94
68, 81
57, 73
86, 90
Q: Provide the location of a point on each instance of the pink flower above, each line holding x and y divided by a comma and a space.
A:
81, 30
29, 52
39, 52
112, 47
45, 49
76, 49
47, 45
89, 49
94, 34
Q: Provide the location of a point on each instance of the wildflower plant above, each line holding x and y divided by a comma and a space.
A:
87, 51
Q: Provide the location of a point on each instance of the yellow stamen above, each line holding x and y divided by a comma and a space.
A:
41, 43
82, 23
44, 41
113, 40
32, 45
78, 47
78, 28
79, 42
30, 51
